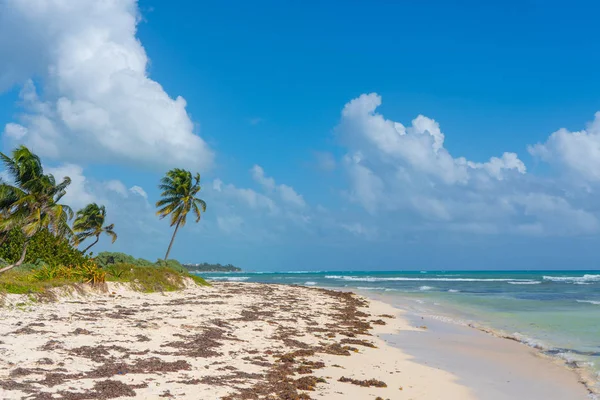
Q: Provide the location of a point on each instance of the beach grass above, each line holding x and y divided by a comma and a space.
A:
26, 282
142, 279
151, 279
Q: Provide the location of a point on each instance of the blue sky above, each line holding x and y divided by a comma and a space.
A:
329, 135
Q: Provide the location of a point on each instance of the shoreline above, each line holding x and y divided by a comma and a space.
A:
480, 357
584, 374
229, 341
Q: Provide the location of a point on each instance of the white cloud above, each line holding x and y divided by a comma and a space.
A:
248, 197
79, 193
98, 102
286, 193
289, 195
399, 173
117, 187
367, 188
259, 176
577, 152
419, 147
230, 224
139, 191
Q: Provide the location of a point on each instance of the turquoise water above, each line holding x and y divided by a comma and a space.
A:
555, 311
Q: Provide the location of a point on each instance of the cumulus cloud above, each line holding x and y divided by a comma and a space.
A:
246, 196
137, 190
577, 152
259, 176
117, 187
286, 193
406, 172
79, 193
259, 215
97, 101
419, 146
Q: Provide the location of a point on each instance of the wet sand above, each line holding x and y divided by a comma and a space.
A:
493, 368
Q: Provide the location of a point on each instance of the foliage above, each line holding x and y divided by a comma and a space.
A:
23, 282
178, 198
40, 279
144, 279
88, 272
107, 258
150, 279
31, 204
206, 267
44, 248
173, 264
89, 222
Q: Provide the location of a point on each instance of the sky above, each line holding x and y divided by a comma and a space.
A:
329, 135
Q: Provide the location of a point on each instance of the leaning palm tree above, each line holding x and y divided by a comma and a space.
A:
31, 204
89, 222
178, 197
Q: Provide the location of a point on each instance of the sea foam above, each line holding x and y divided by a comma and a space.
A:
229, 278
587, 278
589, 302
374, 279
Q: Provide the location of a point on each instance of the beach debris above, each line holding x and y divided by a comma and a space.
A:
364, 383
359, 342
308, 382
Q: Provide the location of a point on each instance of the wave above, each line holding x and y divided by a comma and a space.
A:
370, 288
589, 302
587, 278
525, 283
453, 291
425, 288
230, 278
373, 279
310, 283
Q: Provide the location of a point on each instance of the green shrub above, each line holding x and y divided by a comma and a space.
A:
107, 258
44, 248
150, 279
22, 282
173, 264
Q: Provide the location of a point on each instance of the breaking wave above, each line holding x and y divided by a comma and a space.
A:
373, 279
574, 279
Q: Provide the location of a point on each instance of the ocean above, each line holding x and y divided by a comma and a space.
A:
557, 312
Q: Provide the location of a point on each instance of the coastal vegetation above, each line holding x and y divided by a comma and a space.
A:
39, 245
206, 267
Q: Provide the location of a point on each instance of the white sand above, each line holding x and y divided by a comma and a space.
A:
129, 334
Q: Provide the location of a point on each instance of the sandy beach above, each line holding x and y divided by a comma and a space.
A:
228, 341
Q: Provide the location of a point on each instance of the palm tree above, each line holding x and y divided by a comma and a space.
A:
31, 204
89, 222
178, 197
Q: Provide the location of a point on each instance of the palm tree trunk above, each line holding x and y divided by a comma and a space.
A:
90, 246
172, 240
8, 267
